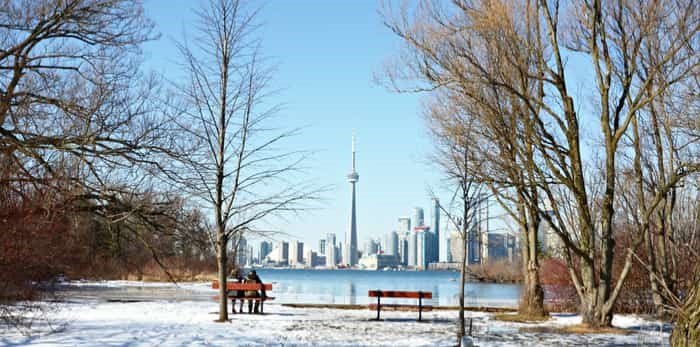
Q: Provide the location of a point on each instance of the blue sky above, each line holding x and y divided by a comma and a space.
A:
326, 53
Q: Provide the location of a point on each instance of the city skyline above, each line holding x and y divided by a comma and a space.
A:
325, 81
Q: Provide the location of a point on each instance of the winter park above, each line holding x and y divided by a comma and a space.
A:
369, 173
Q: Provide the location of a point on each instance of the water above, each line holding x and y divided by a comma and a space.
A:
351, 286
319, 287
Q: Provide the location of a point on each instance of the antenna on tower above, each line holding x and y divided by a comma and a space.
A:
353, 151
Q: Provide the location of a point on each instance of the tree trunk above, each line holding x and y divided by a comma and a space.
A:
532, 300
594, 312
686, 331
221, 259
461, 331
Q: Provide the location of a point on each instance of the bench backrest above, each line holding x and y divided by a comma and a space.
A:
242, 286
400, 294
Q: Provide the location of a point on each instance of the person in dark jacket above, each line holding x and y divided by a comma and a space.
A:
254, 276
236, 276
252, 294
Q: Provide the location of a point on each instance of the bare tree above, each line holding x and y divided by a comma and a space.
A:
629, 47
76, 114
239, 167
497, 121
454, 154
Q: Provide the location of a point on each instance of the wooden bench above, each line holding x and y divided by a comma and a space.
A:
400, 294
233, 287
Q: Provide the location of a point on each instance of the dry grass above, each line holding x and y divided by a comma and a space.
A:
575, 329
518, 318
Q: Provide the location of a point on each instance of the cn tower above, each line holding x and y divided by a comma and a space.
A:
351, 241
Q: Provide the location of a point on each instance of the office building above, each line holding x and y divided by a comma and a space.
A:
331, 255
435, 228
411, 261
418, 219
322, 246
282, 252
296, 253
371, 247
265, 249
403, 248
403, 225
391, 243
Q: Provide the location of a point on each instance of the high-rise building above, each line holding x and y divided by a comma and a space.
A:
331, 255
283, 252
418, 218
265, 249
371, 247
411, 261
296, 253
351, 240
311, 259
403, 248
242, 252
426, 251
322, 246
435, 228
391, 243
404, 225
421, 249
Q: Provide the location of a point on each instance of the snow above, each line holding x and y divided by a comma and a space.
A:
95, 322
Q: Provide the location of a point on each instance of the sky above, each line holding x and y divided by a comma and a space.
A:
326, 53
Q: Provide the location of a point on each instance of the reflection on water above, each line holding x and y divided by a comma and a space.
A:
352, 294
325, 287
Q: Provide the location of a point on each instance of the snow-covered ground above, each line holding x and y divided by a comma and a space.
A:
89, 322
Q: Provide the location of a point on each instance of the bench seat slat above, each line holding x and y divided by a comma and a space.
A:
397, 307
254, 298
242, 286
400, 294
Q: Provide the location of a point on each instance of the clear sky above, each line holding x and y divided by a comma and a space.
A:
326, 53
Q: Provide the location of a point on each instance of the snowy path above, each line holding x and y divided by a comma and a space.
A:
190, 323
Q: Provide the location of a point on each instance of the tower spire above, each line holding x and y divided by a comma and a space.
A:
353, 151
350, 257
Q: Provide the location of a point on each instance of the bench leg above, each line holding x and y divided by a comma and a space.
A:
420, 307
378, 306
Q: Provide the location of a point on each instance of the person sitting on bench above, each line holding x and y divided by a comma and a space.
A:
252, 294
235, 276
254, 276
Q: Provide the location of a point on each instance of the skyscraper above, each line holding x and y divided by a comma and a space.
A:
404, 225
282, 252
265, 249
351, 240
435, 227
411, 261
418, 218
391, 243
296, 253
321, 246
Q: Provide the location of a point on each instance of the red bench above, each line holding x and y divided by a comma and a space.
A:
400, 294
233, 287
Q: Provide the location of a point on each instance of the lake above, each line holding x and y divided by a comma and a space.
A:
315, 287
351, 286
